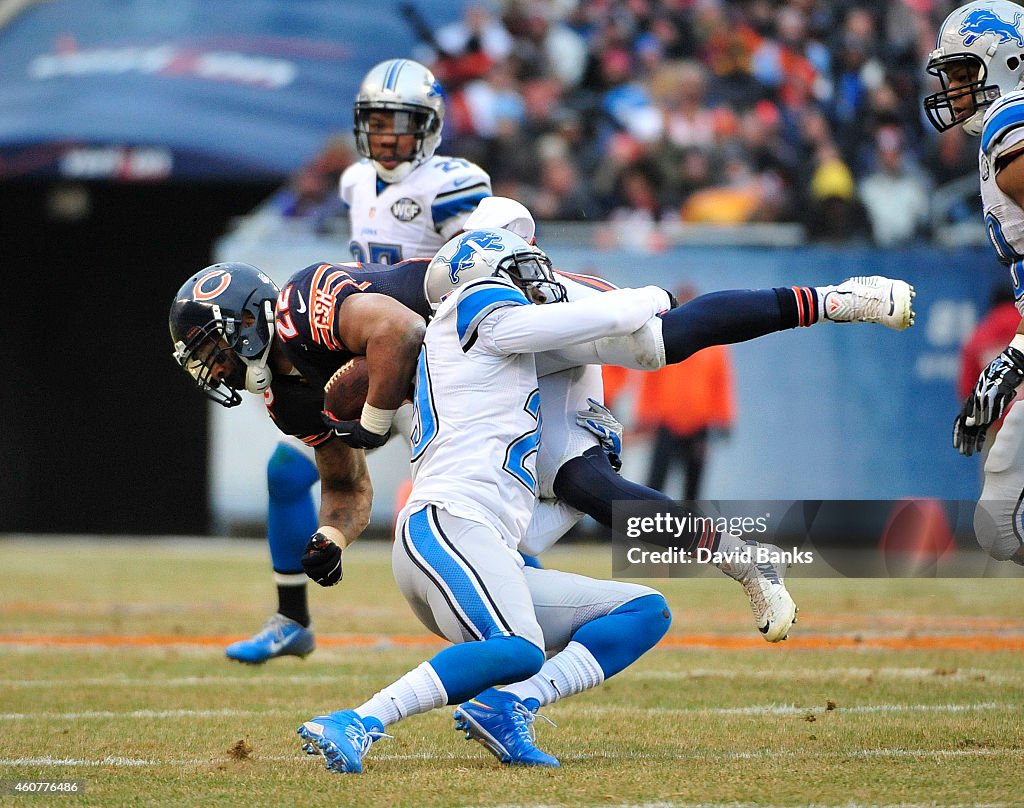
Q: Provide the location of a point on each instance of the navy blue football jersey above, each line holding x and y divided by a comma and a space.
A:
305, 322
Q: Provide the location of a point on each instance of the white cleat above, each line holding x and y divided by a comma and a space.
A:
869, 299
773, 608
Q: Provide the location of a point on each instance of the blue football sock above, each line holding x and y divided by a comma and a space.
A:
469, 668
622, 636
722, 318
291, 520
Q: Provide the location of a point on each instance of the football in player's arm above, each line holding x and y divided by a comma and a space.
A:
474, 491
403, 201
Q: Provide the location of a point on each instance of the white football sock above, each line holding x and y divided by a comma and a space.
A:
567, 673
419, 691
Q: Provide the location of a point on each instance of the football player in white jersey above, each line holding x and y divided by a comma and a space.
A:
979, 58
455, 558
403, 201
399, 113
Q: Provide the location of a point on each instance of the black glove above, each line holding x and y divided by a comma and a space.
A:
968, 439
995, 388
322, 560
987, 403
355, 434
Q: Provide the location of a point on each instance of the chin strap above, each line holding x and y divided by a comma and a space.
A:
257, 375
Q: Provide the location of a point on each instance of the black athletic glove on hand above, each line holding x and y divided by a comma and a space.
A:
987, 403
355, 434
322, 560
968, 439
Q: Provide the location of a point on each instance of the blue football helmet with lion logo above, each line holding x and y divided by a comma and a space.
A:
485, 253
987, 37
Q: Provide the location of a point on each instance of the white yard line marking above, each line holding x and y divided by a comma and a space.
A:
299, 757
932, 674
584, 710
790, 709
762, 805
183, 681
74, 716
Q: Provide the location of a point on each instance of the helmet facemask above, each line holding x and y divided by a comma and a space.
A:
207, 349
939, 107
395, 124
531, 272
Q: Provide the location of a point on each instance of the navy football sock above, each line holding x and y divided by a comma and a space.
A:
591, 485
722, 318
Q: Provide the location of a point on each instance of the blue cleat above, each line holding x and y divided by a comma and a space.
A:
504, 725
280, 636
342, 738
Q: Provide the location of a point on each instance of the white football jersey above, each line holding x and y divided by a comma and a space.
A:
1002, 134
477, 416
412, 218
476, 421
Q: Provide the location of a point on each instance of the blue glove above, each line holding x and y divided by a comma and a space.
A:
599, 420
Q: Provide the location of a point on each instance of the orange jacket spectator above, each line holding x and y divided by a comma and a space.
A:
695, 394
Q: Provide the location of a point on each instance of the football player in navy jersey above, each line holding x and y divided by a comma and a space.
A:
329, 312
403, 201
227, 338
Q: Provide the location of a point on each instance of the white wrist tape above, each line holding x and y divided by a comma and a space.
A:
334, 535
376, 420
1018, 342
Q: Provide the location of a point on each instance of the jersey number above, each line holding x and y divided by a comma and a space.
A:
525, 446
379, 253
424, 413
1007, 255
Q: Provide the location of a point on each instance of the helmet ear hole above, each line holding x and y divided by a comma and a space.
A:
1013, 63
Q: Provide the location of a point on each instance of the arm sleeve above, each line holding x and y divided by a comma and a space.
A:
551, 519
529, 329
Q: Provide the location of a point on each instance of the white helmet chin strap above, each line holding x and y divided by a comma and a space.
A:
396, 174
257, 375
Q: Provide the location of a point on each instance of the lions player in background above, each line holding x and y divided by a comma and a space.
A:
979, 58
404, 201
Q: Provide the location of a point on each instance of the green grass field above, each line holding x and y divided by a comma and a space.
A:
112, 672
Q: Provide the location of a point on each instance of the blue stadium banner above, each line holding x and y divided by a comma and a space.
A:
140, 91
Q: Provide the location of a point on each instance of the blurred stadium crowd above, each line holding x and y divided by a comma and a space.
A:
643, 112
